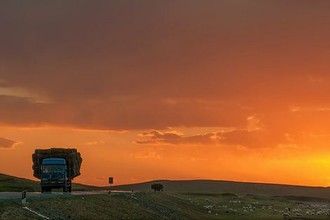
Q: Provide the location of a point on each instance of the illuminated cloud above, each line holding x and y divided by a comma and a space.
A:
95, 143
172, 137
7, 143
146, 155
250, 139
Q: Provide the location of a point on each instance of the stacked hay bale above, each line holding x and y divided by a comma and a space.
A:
71, 155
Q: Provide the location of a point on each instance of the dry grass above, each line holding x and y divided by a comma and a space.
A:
164, 205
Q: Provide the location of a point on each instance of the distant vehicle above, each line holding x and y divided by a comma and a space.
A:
56, 168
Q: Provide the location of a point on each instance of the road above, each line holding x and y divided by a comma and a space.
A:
18, 195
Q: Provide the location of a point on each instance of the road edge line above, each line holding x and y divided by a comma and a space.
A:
40, 215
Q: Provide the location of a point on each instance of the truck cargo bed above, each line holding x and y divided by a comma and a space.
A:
71, 155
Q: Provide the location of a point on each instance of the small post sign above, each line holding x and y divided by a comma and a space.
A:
24, 197
110, 182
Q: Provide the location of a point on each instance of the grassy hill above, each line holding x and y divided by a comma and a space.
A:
15, 184
239, 188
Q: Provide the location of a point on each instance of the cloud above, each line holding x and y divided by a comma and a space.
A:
116, 113
3, 83
274, 128
172, 137
146, 155
152, 65
254, 139
94, 143
7, 143
257, 138
26, 111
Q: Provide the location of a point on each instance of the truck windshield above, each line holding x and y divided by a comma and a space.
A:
52, 168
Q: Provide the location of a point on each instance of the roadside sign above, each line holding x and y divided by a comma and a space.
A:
110, 182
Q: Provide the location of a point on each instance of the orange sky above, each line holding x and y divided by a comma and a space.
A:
234, 90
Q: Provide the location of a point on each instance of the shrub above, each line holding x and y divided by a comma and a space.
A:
157, 187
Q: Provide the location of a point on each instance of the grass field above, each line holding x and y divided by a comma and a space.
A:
239, 188
166, 205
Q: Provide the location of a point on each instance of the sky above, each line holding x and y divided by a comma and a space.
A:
187, 89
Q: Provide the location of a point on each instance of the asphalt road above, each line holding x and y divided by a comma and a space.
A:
18, 195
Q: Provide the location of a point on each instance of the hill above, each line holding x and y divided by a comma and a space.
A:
239, 188
16, 184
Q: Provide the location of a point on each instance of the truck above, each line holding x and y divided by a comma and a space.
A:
56, 168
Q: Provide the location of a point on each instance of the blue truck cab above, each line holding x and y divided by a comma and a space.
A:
54, 175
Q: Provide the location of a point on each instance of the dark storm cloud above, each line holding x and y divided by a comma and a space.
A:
111, 64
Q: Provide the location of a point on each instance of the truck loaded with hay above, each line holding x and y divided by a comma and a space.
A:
56, 167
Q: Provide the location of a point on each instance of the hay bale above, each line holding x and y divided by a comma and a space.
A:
71, 155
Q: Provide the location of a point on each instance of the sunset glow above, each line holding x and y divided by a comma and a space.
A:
227, 90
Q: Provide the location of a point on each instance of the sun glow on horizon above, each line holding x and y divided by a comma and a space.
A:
120, 155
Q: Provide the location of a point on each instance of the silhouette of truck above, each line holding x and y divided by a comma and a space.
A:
56, 168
